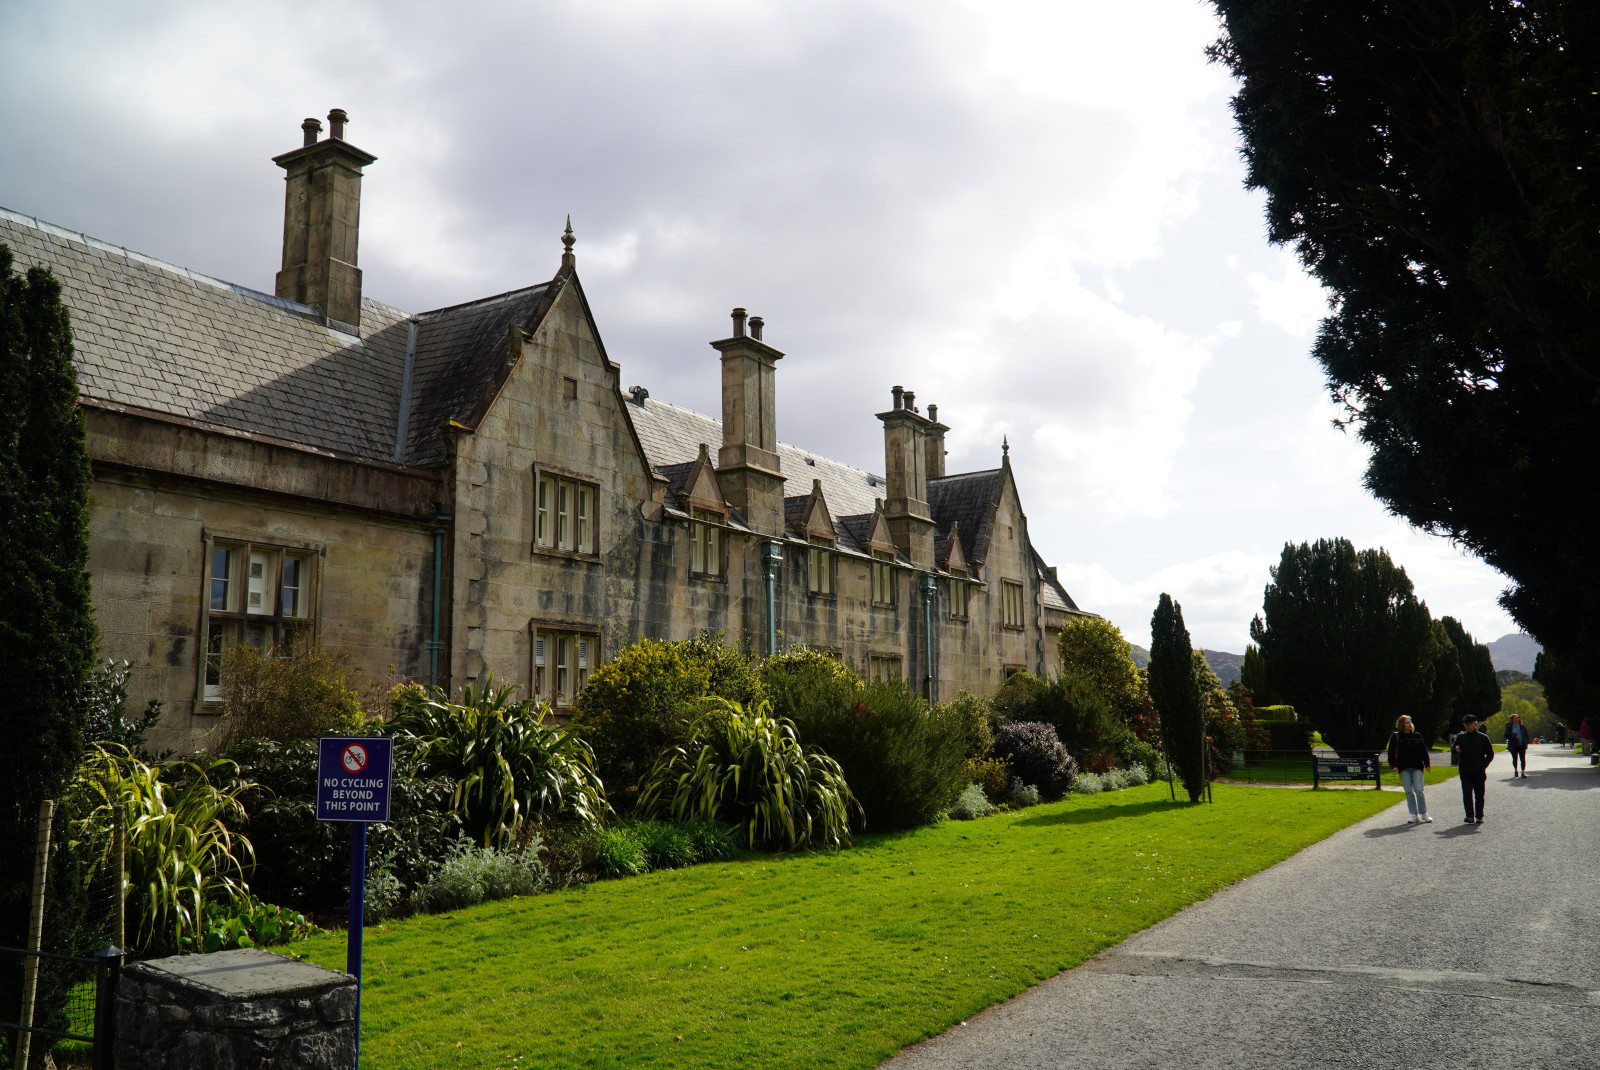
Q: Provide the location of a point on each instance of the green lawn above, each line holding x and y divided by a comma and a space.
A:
822, 960
1282, 769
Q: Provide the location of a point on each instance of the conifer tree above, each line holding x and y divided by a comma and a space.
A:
1480, 687
1176, 694
47, 632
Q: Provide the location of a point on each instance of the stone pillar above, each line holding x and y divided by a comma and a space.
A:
322, 223
234, 1009
748, 469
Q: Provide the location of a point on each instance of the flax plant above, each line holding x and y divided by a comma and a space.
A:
748, 770
180, 853
507, 762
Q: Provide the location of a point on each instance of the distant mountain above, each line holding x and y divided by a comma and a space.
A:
1224, 664
1514, 651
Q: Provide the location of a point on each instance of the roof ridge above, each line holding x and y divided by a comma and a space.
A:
92, 242
506, 296
965, 475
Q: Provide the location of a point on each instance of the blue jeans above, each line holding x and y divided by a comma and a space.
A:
1411, 780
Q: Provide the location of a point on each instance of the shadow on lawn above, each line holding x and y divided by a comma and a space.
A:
1103, 813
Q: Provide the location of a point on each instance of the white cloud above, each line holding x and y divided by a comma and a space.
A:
1288, 298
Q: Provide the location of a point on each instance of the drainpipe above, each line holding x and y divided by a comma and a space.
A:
926, 582
771, 558
433, 644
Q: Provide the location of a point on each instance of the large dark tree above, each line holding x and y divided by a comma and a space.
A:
1570, 694
1434, 164
1443, 674
1345, 641
47, 634
1480, 687
1176, 695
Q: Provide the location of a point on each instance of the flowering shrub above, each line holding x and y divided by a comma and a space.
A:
1037, 756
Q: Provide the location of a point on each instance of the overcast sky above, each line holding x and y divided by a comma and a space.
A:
1029, 213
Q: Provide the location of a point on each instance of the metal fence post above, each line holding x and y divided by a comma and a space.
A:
108, 971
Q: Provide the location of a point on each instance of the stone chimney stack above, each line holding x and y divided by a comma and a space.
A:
906, 466
933, 444
321, 222
747, 465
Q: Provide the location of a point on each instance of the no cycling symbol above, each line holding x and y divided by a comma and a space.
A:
354, 758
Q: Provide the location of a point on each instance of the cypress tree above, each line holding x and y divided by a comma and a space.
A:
1253, 675
47, 632
1176, 694
1442, 669
1480, 687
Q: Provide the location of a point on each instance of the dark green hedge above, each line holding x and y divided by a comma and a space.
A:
1288, 735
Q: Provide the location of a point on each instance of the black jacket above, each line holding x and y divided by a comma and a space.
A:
1476, 753
1517, 737
1408, 750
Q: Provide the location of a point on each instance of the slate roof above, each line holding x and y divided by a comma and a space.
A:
968, 499
671, 435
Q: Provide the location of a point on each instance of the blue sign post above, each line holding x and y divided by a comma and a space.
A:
353, 776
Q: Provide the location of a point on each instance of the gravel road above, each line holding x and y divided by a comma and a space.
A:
1385, 945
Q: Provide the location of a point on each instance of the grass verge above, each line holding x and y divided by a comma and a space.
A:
809, 961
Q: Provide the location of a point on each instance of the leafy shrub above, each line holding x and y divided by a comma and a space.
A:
973, 712
1085, 721
1037, 756
618, 852
971, 803
1136, 753
1022, 795
304, 862
1088, 784
711, 842
904, 758
1136, 776
1014, 700
507, 763
666, 846
105, 701
993, 775
1285, 735
472, 874
180, 853
246, 922
1114, 779
1094, 651
285, 695
638, 706
380, 891
749, 770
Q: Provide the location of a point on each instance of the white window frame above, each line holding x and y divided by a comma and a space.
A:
566, 514
562, 657
885, 585
819, 567
1011, 605
706, 556
246, 604
960, 596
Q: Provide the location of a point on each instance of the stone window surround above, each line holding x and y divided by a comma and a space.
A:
879, 660
885, 562
555, 630
702, 521
962, 601
311, 588
595, 536
1009, 590
823, 552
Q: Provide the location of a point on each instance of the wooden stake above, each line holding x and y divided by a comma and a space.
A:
30, 963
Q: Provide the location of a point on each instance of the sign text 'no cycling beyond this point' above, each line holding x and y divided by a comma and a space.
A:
353, 778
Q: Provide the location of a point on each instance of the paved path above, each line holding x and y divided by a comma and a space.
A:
1386, 945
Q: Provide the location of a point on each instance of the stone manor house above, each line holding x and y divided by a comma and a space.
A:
442, 494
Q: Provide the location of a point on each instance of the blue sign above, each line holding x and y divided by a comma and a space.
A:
353, 776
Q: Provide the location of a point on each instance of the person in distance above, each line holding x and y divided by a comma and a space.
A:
1517, 746
1474, 753
1408, 752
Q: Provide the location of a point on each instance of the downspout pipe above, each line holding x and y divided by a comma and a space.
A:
929, 587
771, 558
434, 645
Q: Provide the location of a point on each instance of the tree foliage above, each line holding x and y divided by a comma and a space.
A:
1094, 650
1176, 694
1434, 165
1480, 684
1345, 641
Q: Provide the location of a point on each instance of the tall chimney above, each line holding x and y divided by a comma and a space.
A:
747, 464
933, 444
321, 223
906, 466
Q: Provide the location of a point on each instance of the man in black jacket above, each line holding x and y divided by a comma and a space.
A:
1474, 752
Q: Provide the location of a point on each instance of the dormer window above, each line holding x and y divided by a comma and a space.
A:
960, 592
819, 566
705, 543
883, 585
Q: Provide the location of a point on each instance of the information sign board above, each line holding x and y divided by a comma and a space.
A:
1346, 769
353, 776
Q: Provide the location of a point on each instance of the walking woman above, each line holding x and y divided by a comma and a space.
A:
1408, 752
1517, 746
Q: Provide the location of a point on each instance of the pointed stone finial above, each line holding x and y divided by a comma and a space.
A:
568, 261
1005, 446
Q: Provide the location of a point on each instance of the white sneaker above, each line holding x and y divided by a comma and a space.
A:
1413, 820
1426, 818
